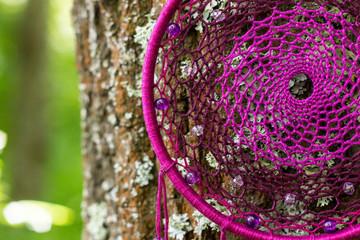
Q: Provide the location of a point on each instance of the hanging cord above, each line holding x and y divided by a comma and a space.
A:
162, 190
224, 227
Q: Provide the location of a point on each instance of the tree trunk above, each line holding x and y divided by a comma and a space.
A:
120, 182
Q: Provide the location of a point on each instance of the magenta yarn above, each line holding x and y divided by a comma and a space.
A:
274, 86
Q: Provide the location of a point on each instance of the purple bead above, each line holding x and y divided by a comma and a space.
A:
289, 199
349, 188
192, 177
237, 181
158, 238
161, 103
252, 221
329, 226
173, 29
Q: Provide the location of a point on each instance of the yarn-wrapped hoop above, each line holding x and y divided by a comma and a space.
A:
252, 108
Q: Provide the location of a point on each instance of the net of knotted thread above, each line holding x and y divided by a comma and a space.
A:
257, 104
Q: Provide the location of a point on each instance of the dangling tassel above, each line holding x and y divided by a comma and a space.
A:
162, 190
224, 226
223, 235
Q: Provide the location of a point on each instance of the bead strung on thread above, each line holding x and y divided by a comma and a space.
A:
237, 182
198, 130
349, 188
289, 199
188, 70
329, 226
157, 238
218, 15
161, 103
252, 221
192, 177
173, 29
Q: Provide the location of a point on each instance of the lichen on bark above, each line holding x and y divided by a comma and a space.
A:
114, 141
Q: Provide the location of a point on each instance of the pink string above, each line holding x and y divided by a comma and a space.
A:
158, 207
224, 228
162, 190
223, 235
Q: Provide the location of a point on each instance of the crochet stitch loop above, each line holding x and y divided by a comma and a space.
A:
272, 89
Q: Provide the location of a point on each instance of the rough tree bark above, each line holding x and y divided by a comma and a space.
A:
118, 203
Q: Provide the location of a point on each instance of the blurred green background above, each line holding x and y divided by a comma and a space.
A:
39, 113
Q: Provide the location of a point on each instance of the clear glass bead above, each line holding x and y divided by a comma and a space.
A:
289, 199
198, 130
237, 182
349, 188
192, 177
218, 15
188, 70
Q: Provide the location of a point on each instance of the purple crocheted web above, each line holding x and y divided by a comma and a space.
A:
259, 103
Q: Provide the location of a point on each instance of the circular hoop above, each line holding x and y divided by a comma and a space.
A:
166, 162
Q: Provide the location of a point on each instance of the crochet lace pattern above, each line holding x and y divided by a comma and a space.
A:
253, 106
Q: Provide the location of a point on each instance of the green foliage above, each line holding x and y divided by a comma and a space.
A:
63, 181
